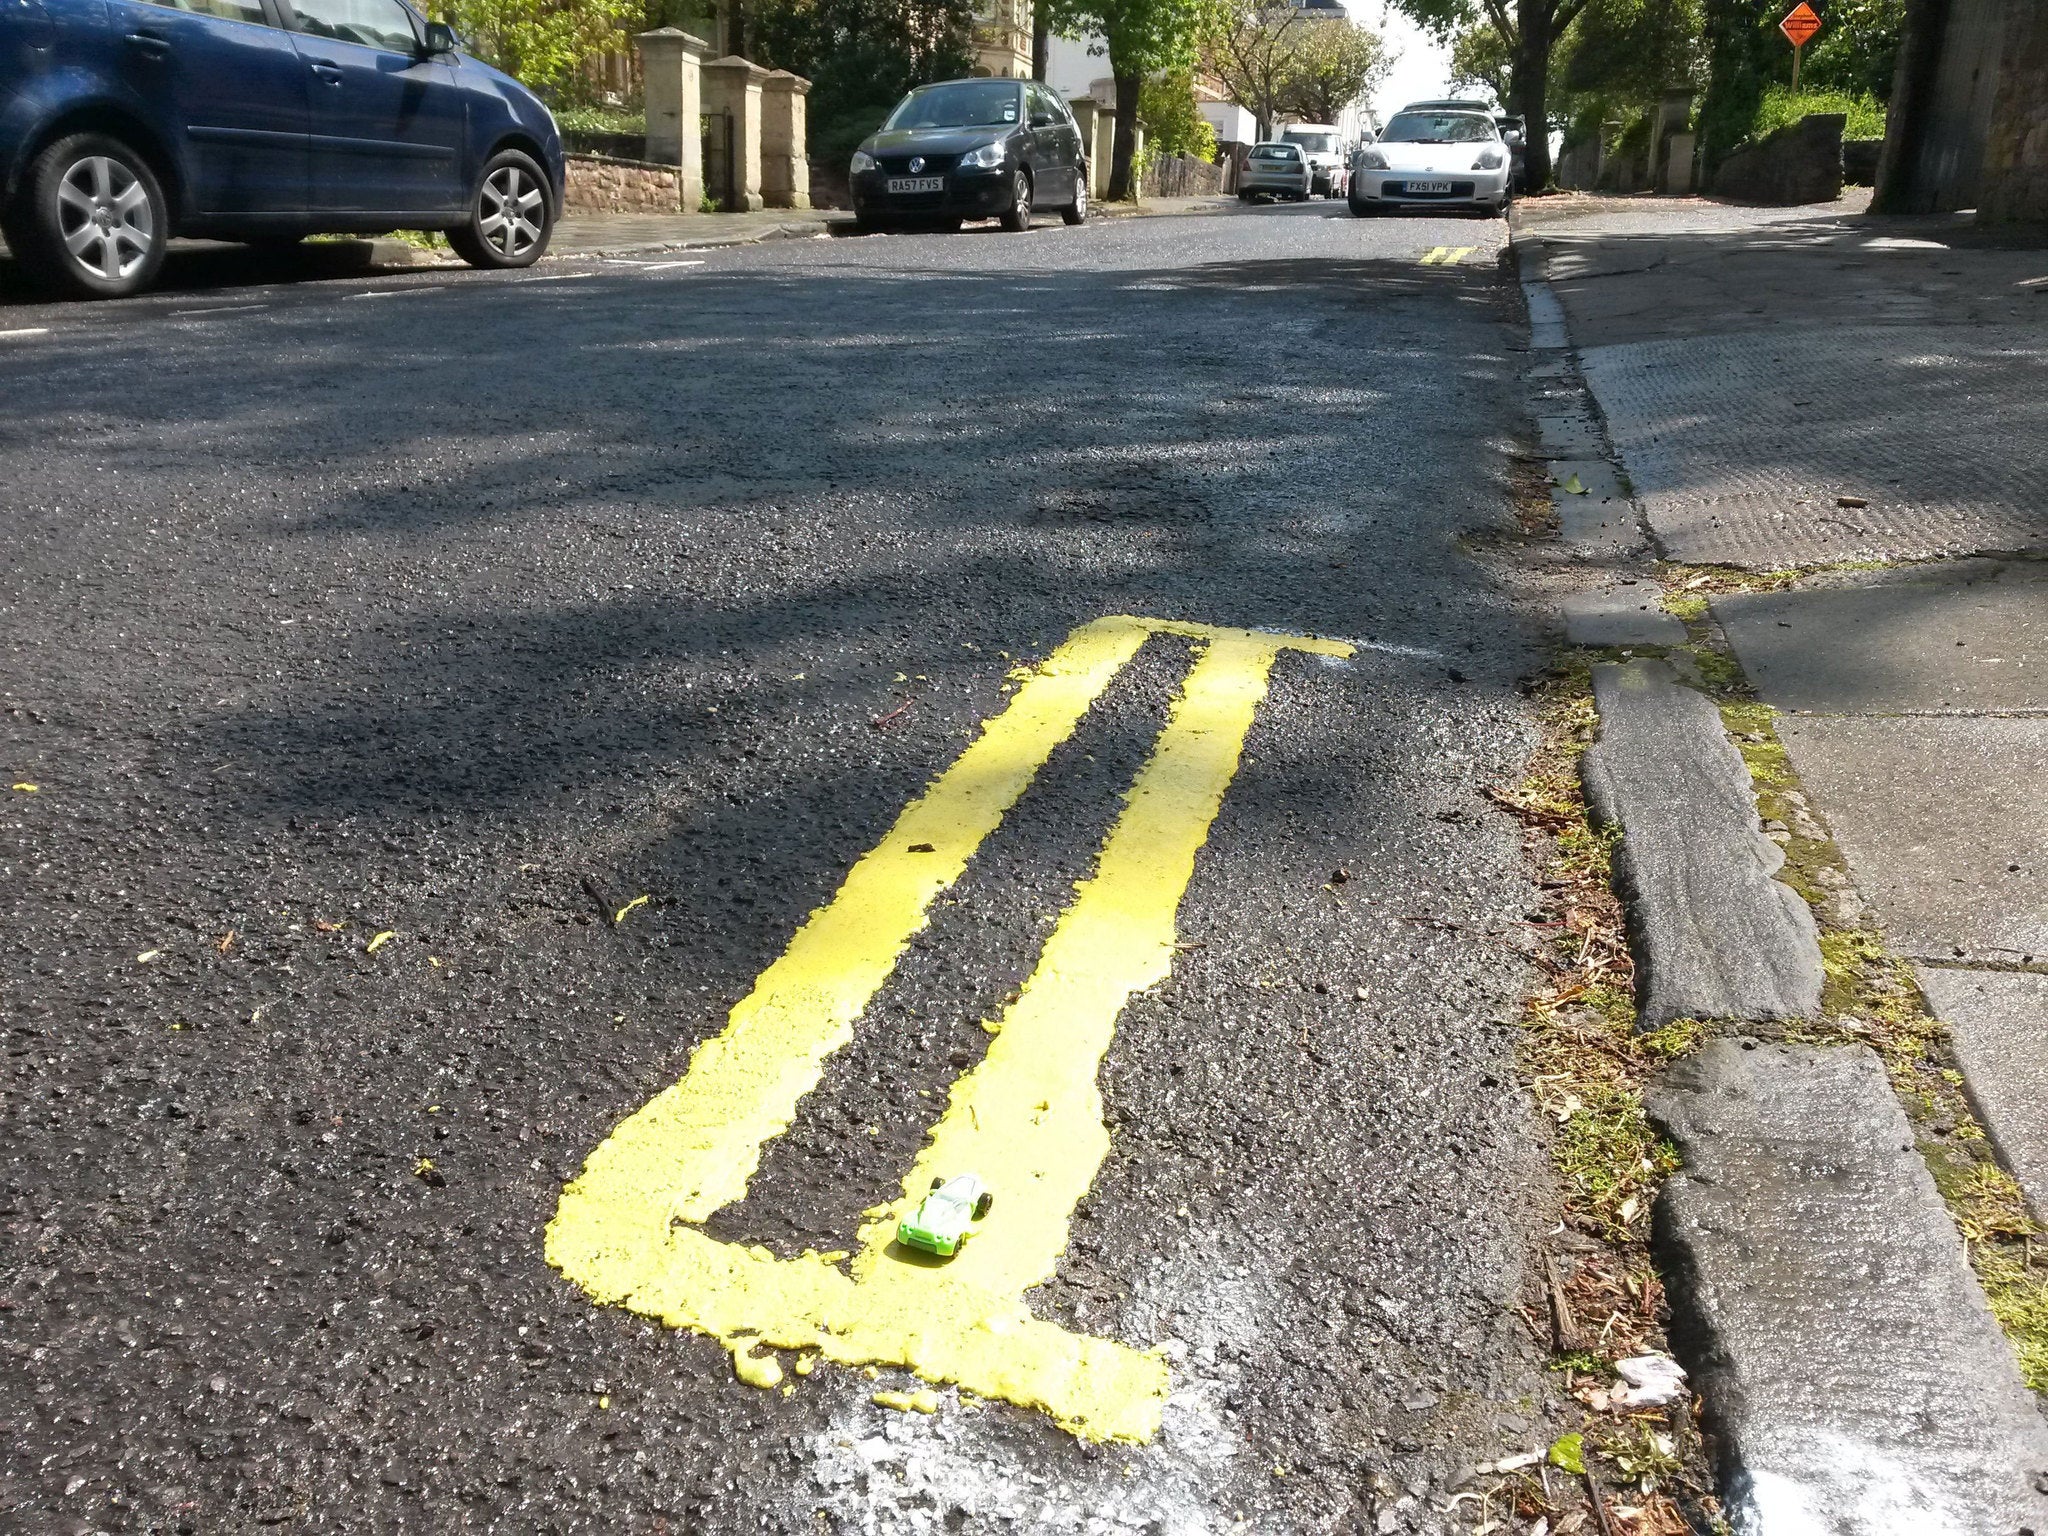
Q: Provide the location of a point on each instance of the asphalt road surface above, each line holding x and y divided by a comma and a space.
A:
1001, 687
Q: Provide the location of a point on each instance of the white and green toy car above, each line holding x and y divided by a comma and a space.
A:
940, 1223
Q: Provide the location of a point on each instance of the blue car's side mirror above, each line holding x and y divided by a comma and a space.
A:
440, 38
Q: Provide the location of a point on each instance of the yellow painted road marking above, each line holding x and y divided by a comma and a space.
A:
1447, 255
1029, 1117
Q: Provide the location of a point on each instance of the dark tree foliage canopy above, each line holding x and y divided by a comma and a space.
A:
860, 57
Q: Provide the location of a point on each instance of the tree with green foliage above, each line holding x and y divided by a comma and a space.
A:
860, 57
1251, 53
1334, 63
1174, 124
541, 42
1857, 51
1482, 58
1144, 38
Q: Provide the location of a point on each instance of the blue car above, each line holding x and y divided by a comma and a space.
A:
126, 122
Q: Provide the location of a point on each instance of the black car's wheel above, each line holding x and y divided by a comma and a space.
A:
863, 225
510, 215
1363, 210
1018, 219
1076, 212
982, 1204
95, 223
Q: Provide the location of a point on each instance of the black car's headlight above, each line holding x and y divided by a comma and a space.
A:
862, 161
985, 158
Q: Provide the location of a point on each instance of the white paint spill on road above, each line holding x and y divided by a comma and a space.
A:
24, 333
220, 309
667, 266
394, 293
556, 277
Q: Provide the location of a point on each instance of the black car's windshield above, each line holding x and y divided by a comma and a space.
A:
1438, 128
962, 104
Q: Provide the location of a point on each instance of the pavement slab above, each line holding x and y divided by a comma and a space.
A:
1716, 937
1999, 1022
1827, 1312
1740, 446
1631, 613
1954, 637
1944, 822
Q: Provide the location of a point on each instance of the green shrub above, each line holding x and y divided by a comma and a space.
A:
1780, 108
600, 120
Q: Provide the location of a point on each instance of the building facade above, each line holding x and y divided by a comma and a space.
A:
1002, 38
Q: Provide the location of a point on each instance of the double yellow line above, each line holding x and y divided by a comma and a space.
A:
1028, 1117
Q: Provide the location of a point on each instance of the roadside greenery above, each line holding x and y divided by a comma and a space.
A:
597, 119
1780, 109
860, 57
1174, 125
541, 42
1747, 56
1144, 38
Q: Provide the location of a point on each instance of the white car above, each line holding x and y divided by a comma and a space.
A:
1273, 169
1324, 146
1433, 158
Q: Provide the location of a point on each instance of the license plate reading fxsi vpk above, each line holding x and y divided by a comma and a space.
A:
1429, 186
917, 183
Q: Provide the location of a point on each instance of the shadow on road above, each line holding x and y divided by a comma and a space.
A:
198, 266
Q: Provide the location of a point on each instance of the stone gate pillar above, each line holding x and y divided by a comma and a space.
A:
669, 60
785, 167
732, 91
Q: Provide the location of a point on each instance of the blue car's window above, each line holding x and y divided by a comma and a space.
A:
226, 10
373, 23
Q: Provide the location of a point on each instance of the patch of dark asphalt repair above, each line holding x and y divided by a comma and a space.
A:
475, 615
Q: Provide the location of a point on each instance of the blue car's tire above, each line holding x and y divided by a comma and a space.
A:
511, 214
95, 222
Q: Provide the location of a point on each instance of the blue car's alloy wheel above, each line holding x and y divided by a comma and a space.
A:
511, 216
98, 222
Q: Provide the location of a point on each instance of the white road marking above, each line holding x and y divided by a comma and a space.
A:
394, 293
667, 266
26, 331
220, 309
556, 277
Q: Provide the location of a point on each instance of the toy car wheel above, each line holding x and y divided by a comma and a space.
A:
981, 1205
937, 1185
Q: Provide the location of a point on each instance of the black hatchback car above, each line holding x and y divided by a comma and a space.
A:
971, 149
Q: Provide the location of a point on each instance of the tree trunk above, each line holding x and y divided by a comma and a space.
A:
736, 28
1124, 143
1532, 77
1041, 44
1920, 40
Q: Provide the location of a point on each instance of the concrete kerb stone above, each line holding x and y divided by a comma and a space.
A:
1628, 614
1999, 1023
1715, 936
1824, 1304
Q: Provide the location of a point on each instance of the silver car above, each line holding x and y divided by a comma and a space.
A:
1273, 169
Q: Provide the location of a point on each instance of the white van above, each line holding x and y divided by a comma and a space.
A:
1324, 145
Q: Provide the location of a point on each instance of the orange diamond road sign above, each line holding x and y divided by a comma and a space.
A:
1800, 25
